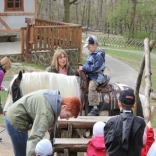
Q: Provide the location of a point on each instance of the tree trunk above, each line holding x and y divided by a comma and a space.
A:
132, 23
67, 11
88, 18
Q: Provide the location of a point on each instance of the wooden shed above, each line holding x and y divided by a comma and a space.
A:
14, 12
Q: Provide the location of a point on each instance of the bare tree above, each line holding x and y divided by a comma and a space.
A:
67, 4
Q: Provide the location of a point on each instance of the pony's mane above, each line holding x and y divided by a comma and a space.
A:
67, 85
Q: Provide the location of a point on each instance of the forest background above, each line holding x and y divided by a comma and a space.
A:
127, 18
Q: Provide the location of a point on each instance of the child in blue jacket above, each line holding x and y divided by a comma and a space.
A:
94, 67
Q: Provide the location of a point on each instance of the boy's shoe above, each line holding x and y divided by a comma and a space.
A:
0, 139
93, 112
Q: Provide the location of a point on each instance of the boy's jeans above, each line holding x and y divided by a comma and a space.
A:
18, 138
93, 95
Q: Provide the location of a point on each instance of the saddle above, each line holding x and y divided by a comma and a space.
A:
85, 81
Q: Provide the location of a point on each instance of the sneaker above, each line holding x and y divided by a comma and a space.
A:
0, 139
93, 112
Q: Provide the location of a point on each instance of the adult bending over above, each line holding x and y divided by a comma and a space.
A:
59, 63
39, 111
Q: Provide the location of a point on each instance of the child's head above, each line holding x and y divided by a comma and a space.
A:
91, 43
126, 98
98, 129
5, 63
44, 148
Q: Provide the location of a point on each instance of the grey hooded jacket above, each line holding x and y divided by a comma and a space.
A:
41, 109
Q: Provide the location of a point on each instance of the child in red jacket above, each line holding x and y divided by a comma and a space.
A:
148, 139
96, 146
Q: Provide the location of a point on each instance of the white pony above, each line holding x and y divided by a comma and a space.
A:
67, 85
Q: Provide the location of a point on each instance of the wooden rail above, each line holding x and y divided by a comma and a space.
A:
81, 122
48, 35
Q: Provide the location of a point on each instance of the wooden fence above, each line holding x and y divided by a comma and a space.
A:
120, 42
48, 35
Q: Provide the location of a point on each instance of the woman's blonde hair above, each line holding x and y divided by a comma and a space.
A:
5, 63
56, 56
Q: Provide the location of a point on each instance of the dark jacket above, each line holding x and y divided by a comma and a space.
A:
70, 71
123, 134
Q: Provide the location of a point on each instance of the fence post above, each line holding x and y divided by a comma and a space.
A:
139, 78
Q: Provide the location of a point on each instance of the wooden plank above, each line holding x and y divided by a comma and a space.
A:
63, 38
4, 23
16, 13
72, 144
45, 38
9, 30
82, 122
68, 37
22, 41
60, 37
57, 26
49, 38
36, 39
52, 39
80, 43
1, 36
56, 38
71, 141
31, 34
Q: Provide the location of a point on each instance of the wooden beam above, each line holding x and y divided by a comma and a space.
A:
72, 144
4, 23
16, 13
148, 85
9, 30
82, 122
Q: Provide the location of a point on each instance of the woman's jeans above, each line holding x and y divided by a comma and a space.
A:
18, 138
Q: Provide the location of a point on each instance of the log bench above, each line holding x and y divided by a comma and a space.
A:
66, 146
79, 124
10, 38
70, 145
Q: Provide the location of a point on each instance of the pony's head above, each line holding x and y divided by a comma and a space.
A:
14, 92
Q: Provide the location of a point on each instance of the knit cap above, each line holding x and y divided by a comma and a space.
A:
98, 129
44, 148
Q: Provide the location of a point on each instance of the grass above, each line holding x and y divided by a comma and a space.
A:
3, 95
134, 61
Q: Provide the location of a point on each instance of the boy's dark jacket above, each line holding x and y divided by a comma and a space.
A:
123, 135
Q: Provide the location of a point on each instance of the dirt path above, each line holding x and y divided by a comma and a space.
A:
5, 145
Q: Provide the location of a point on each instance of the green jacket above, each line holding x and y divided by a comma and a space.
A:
40, 108
70, 71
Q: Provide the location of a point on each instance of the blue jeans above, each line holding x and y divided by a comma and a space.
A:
18, 138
